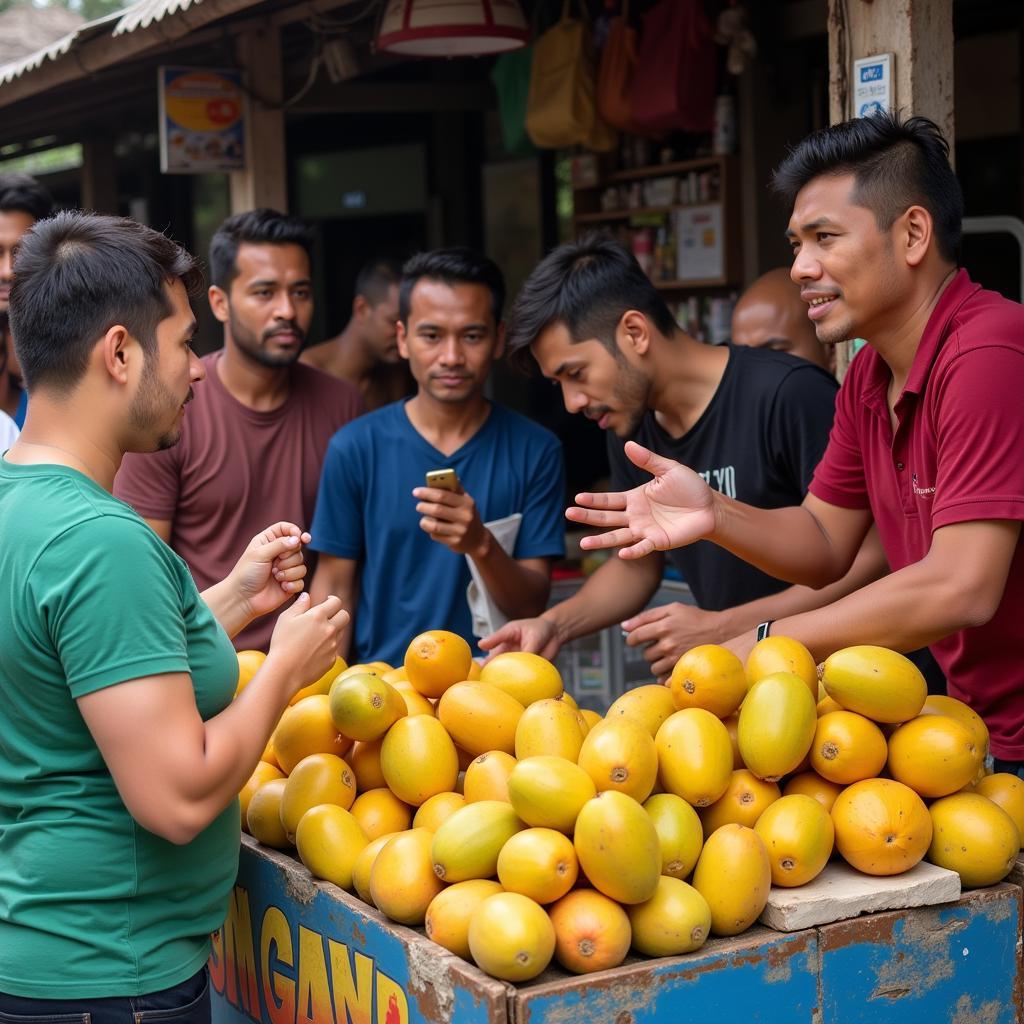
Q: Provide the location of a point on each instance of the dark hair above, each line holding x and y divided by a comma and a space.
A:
452, 266
257, 227
76, 276
22, 192
896, 164
376, 278
587, 286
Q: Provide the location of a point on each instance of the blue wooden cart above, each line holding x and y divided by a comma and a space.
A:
297, 951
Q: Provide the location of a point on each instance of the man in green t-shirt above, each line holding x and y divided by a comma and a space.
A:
122, 750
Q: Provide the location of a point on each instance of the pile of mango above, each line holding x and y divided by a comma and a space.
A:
484, 805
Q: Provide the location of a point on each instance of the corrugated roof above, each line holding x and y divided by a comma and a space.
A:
146, 12
139, 15
88, 49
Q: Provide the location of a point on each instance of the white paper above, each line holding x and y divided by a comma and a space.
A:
700, 246
487, 616
872, 84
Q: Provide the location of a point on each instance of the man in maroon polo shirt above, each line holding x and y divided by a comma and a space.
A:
928, 439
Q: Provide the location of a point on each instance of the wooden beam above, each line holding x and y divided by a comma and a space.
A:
918, 32
401, 97
105, 50
265, 181
920, 35
99, 174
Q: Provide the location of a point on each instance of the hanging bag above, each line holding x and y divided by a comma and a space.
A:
561, 110
615, 73
511, 78
673, 87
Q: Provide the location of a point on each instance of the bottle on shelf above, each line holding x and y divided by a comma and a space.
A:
643, 249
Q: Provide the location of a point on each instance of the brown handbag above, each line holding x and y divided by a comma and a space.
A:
615, 73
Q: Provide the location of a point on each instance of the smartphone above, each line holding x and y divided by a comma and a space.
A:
444, 479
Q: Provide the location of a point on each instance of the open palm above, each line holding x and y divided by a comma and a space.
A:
672, 510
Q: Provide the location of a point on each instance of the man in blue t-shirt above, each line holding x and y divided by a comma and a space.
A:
400, 552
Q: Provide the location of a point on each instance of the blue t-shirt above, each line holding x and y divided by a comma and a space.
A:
19, 413
365, 511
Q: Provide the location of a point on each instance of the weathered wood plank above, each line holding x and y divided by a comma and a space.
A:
760, 977
952, 964
294, 949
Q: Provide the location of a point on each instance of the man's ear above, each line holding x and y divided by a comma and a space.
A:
220, 304
917, 236
360, 307
633, 334
400, 337
119, 351
499, 348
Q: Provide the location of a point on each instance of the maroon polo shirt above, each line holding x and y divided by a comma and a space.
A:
957, 456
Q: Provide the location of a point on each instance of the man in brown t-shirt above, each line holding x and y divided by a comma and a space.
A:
366, 351
254, 438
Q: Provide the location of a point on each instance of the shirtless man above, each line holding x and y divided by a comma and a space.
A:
366, 351
771, 314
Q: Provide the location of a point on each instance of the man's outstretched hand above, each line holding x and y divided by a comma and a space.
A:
674, 509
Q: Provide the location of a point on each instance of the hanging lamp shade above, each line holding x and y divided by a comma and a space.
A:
452, 28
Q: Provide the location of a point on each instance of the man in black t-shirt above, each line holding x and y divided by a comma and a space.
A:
753, 423
762, 431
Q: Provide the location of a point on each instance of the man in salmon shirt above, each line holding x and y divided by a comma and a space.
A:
254, 441
928, 434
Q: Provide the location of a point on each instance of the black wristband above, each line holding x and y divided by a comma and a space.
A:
764, 629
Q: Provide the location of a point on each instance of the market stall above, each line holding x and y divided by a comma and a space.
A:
295, 950
723, 846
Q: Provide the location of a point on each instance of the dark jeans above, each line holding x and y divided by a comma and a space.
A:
933, 675
1013, 767
187, 1003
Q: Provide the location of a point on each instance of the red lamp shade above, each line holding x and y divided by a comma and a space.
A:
452, 28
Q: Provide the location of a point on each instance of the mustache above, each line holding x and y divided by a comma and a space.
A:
188, 398
287, 327
596, 413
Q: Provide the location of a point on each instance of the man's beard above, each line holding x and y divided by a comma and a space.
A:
248, 344
631, 395
153, 402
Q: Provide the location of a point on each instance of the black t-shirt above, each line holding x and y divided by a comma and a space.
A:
758, 441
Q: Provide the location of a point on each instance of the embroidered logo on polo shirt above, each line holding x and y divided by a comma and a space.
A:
921, 492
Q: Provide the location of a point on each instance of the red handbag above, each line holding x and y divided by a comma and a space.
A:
673, 86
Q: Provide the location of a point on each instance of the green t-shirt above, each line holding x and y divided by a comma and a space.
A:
91, 903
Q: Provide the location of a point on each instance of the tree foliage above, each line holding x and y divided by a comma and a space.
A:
89, 9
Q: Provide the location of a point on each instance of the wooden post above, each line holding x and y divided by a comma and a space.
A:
920, 35
99, 174
265, 183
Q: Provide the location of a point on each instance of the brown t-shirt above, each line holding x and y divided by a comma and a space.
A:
236, 471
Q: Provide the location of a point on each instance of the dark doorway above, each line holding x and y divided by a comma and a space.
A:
344, 244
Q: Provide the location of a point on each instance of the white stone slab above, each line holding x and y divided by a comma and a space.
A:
840, 892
